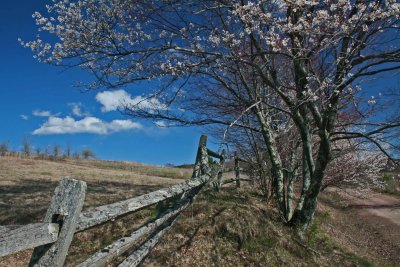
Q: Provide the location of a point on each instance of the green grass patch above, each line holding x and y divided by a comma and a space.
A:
391, 184
315, 231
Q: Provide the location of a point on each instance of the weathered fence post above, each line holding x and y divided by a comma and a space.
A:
237, 170
221, 170
201, 166
64, 210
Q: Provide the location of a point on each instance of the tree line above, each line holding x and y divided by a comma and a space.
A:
54, 152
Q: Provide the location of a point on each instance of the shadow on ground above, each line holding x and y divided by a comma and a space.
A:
27, 201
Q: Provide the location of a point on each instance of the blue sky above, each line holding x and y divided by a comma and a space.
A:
37, 101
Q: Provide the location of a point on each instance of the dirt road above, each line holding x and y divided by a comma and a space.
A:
371, 224
381, 205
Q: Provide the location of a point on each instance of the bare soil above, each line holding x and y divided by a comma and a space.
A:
375, 205
368, 225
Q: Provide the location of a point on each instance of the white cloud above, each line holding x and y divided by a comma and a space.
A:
43, 113
68, 125
76, 109
123, 125
24, 117
161, 124
114, 100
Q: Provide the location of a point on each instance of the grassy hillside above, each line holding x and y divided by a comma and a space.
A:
230, 228
235, 228
26, 185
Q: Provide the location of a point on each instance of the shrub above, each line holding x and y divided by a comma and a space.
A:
87, 154
3, 149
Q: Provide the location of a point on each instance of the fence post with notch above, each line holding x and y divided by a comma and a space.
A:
64, 210
201, 166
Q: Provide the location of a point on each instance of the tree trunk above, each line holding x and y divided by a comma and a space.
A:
306, 174
289, 198
276, 163
304, 216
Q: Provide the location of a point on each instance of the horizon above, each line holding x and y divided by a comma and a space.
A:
41, 103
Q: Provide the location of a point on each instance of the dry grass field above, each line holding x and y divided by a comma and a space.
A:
27, 185
230, 228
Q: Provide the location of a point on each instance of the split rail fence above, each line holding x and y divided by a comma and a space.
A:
52, 238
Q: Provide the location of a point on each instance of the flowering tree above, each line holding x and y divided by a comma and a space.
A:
286, 63
355, 166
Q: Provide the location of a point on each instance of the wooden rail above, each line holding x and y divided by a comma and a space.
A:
27, 236
105, 213
52, 238
117, 248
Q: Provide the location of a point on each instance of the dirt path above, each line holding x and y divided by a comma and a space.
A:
381, 205
372, 223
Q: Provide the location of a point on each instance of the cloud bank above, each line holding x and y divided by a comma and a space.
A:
93, 125
119, 99
42, 113
82, 122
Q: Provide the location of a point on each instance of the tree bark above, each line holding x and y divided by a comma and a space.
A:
305, 215
276, 162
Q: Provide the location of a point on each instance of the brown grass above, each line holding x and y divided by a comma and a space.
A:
235, 228
230, 228
27, 185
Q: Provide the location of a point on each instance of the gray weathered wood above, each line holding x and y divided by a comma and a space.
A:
107, 254
232, 180
221, 171
3, 229
237, 169
215, 154
205, 168
138, 255
228, 181
64, 210
199, 168
6, 228
27, 236
105, 213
